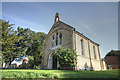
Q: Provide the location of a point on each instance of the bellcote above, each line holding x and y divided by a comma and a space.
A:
57, 17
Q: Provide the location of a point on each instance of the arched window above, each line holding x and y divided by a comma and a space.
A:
82, 50
53, 41
60, 36
56, 39
94, 52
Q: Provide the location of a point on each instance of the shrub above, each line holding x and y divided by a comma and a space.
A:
67, 58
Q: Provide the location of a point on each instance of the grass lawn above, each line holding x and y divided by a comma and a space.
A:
22, 73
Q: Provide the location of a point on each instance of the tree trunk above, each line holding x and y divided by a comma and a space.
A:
11, 62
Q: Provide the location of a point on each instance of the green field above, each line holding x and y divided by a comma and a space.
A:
19, 73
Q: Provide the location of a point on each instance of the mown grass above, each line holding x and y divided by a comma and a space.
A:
19, 73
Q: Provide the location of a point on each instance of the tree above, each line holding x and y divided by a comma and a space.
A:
23, 42
13, 42
31, 44
8, 41
67, 58
20, 42
36, 47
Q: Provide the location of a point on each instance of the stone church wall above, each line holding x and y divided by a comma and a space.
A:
82, 62
85, 58
66, 42
104, 65
92, 52
96, 64
88, 55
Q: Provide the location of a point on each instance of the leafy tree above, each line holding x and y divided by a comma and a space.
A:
12, 47
1, 40
67, 58
31, 44
20, 42
23, 42
8, 40
36, 47
31, 61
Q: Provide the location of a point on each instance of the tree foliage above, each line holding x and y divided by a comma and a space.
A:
9, 39
35, 48
20, 42
66, 57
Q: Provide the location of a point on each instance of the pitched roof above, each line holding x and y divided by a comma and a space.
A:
114, 53
79, 33
57, 23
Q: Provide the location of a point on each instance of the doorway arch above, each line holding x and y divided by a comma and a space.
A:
52, 61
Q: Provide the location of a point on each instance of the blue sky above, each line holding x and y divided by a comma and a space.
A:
96, 20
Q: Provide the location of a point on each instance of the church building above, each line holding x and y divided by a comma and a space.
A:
64, 35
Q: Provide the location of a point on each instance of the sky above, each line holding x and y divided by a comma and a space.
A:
96, 20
